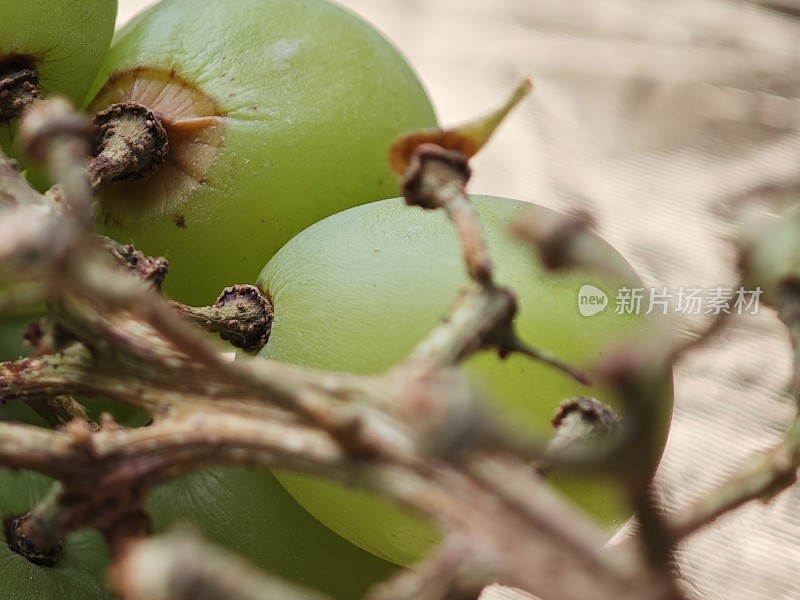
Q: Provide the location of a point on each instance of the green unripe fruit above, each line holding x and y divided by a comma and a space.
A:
357, 291
48, 48
277, 113
80, 570
248, 511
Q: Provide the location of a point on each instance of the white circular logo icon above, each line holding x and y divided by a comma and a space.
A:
591, 300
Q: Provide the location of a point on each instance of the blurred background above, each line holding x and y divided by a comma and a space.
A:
662, 118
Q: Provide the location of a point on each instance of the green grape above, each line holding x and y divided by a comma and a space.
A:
62, 41
277, 113
249, 512
357, 291
80, 571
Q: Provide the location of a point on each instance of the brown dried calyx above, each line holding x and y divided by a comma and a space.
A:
582, 424
23, 545
195, 126
128, 145
242, 315
19, 85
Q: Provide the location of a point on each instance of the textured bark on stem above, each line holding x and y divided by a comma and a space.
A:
148, 268
436, 178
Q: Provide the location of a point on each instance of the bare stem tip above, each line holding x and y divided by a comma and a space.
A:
128, 145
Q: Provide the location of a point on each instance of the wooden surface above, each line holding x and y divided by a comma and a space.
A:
658, 117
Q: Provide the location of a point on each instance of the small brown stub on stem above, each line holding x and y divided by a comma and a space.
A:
580, 424
20, 543
251, 313
19, 85
128, 144
152, 269
555, 239
598, 418
242, 315
430, 170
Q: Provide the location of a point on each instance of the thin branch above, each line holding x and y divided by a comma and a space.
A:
389, 434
